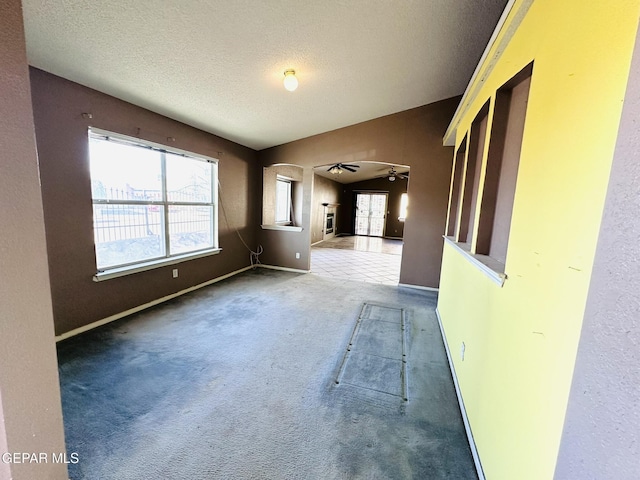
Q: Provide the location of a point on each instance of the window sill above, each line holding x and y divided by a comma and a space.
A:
286, 228
487, 265
110, 273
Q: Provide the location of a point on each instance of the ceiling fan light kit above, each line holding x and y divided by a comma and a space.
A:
339, 167
392, 175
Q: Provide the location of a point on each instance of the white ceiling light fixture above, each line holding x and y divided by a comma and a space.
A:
290, 80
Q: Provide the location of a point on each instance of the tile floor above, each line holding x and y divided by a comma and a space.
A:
366, 259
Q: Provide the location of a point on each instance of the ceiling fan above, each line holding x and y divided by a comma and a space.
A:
392, 175
339, 167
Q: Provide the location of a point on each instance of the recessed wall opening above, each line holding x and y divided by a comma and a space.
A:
454, 200
476, 151
502, 166
472, 176
358, 221
282, 196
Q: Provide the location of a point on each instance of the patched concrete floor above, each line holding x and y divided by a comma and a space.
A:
238, 381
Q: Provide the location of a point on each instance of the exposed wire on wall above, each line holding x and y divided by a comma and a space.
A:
254, 257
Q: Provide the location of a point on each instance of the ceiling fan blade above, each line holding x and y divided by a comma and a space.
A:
350, 165
348, 168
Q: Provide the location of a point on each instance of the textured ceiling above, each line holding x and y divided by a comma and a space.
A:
218, 65
365, 171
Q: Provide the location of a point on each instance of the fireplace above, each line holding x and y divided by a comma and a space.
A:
329, 224
329, 228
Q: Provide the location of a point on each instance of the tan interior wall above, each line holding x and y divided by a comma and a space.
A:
412, 137
324, 191
393, 227
61, 133
30, 410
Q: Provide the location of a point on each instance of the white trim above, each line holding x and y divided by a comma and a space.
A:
487, 265
449, 135
449, 138
286, 228
316, 243
141, 142
419, 287
283, 269
485, 54
117, 316
463, 410
150, 265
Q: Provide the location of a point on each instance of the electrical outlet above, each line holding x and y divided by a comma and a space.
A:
298, 255
175, 273
463, 347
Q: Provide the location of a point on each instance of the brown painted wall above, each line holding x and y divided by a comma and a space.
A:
324, 191
413, 138
280, 247
428, 191
30, 410
61, 134
393, 226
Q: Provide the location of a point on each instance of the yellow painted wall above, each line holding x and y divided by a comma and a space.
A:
521, 339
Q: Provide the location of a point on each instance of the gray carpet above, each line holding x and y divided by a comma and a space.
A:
238, 380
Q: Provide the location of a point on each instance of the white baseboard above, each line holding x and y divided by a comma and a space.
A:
283, 269
463, 410
419, 287
117, 316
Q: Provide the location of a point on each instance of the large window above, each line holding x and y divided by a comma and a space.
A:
150, 203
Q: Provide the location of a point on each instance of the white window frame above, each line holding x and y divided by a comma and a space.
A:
167, 259
287, 219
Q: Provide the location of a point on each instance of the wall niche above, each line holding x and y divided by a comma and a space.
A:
282, 195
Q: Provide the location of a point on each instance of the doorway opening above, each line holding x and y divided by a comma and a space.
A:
370, 214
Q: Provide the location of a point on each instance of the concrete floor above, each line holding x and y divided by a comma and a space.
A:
238, 380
